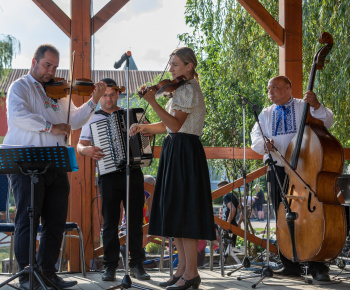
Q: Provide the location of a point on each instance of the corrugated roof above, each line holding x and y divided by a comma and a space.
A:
136, 78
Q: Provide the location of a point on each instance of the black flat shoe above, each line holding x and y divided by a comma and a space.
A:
170, 282
62, 284
322, 277
194, 283
288, 272
139, 272
109, 273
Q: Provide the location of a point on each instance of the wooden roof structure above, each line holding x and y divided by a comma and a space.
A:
286, 32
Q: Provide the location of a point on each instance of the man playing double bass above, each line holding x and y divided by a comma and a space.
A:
280, 123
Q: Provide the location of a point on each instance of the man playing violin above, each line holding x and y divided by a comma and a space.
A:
35, 119
280, 123
113, 190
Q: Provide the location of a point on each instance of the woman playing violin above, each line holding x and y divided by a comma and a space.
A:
182, 206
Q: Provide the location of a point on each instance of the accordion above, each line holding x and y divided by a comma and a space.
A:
109, 134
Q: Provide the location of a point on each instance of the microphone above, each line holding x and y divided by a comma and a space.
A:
255, 107
123, 58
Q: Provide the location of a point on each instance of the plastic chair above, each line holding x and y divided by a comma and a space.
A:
71, 226
7, 228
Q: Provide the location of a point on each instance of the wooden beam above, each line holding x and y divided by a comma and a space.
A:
55, 14
122, 240
291, 53
264, 18
106, 13
238, 183
250, 237
222, 153
230, 153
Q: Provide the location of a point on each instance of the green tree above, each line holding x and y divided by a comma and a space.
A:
236, 56
9, 47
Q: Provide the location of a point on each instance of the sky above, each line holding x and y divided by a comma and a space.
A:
148, 28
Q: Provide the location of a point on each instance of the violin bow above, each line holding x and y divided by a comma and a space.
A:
70, 91
287, 164
144, 112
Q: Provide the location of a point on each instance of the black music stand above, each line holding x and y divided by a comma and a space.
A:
33, 161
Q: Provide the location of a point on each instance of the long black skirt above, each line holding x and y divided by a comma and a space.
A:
182, 204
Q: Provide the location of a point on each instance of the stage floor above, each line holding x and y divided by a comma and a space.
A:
210, 280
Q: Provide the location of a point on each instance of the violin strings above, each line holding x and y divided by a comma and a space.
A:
144, 112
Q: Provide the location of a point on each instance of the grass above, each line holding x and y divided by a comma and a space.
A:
4, 253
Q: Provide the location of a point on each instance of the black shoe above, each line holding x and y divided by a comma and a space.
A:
322, 277
139, 273
24, 284
170, 282
60, 283
109, 273
194, 283
288, 272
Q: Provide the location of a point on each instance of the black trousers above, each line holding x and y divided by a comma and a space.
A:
113, 190
51, 204
276, 200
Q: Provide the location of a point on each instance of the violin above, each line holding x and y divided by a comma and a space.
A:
58, 88
165, 87
82, 87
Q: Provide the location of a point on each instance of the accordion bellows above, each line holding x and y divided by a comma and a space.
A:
110, 135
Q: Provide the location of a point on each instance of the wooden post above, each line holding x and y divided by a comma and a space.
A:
287, 34
290, 54
80, 182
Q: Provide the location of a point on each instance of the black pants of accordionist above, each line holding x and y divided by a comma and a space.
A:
113, 190
276, 199
51, 205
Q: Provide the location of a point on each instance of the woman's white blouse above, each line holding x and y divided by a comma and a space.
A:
189, 99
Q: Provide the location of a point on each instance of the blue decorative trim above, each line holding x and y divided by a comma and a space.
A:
288, 125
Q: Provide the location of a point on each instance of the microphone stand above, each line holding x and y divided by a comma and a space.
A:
126, 282
290, 216
245, 262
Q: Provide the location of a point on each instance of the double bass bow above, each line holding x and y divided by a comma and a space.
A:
317, 157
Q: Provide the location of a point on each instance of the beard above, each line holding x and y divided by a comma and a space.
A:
43, 78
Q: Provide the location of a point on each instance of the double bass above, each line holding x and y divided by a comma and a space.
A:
319, 231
